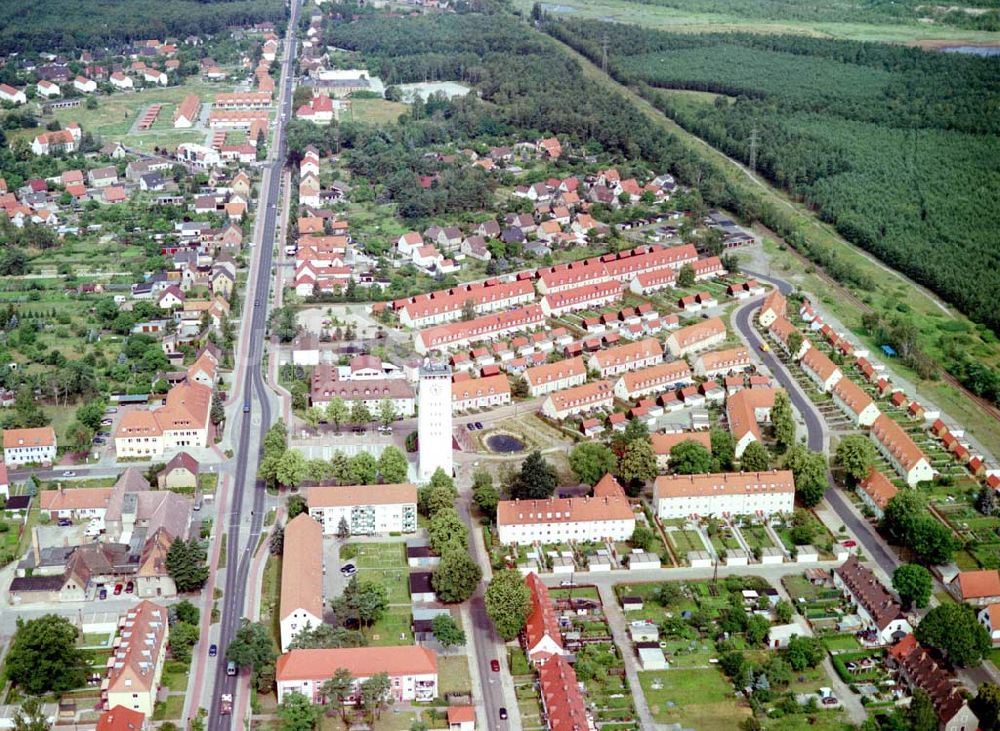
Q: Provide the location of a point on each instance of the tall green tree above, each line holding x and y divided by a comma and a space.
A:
913, 584
30, 716
337, 412
376, 694
360, 414
447, 531
456, 577
986, 706
386, 412
187, 564
755, 458
954, 629
508, 602
292, 468
337, 690
363, 601
855, 454
537, 479
446, 631
590, 461
638, 463
690, 458
298, 713
723, 448
809, 470
920, 714
364, 468
43, 656
782, 420
392, 466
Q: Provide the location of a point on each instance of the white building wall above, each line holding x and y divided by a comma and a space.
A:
557, 532
295, 623
732, 503
27, 455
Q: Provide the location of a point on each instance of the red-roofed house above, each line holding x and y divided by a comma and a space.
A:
542, 639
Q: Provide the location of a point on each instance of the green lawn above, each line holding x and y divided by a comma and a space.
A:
375, 111
383, 563
172, 709
395, 628
453, 675
699, 699
841, 642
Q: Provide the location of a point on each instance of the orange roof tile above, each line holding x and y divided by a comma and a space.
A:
302, 562
362, 662
733, 483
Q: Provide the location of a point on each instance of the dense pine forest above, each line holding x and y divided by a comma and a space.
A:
896, 147
67, 25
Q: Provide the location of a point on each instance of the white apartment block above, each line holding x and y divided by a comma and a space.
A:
724, 494
29, 446
368, 509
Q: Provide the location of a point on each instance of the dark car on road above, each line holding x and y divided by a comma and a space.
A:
213, 650
503, 713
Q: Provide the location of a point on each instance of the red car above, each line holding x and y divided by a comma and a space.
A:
118, 589
495, 666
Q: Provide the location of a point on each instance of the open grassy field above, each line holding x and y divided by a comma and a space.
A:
395, 628
695, 698
684, 20
453, 675
375, 111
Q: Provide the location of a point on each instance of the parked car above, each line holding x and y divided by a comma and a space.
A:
213, 650
102, 594
495, 665
129, 587
503, 713
479, 425
63, 522
118, 589
349, 569
69, 473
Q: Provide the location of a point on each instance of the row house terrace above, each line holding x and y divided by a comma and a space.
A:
699, 336
480, 393
549, 377
589, 296
489, 327
628, 357
645, 381
722, 362
447, 305
892, 441
570, 276
578, 400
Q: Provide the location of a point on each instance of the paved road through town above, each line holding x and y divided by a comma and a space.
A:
256, 406
815, 427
